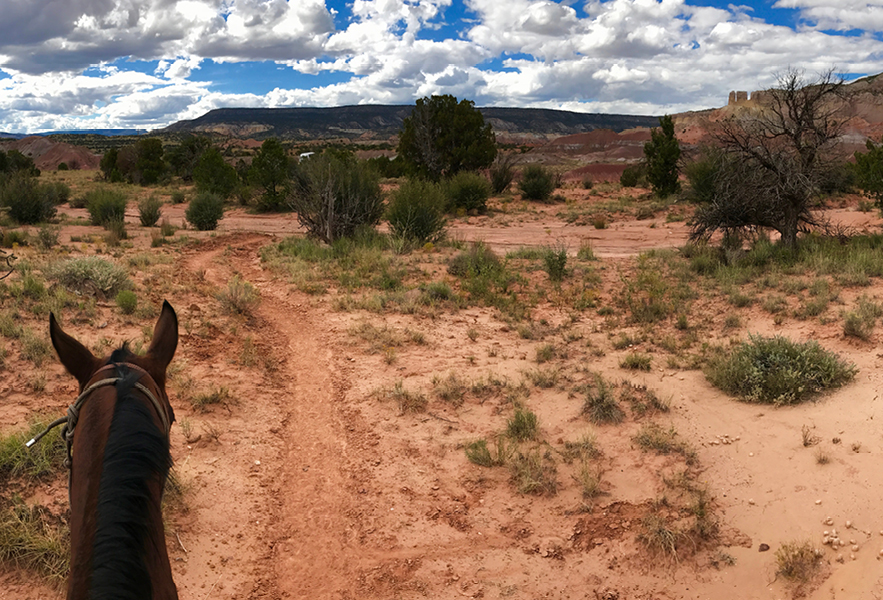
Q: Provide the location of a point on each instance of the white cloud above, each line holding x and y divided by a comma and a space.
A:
646, 56
842, 15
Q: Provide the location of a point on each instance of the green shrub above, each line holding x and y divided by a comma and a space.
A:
106, 205
90, 275
523, 425
601, 405
634, 176
127, 301
777, 371
178, 197
28, 201
537, 183
468, 191
635, 361
478, 260
149, 211
205, 210
62, 166
416, 211
555, 261
335, 197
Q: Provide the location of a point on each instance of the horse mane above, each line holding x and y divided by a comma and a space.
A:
136, 453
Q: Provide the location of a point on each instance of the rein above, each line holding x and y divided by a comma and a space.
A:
73, 411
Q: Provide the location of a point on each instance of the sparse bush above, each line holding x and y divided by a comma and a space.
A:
478, 260
217, 395
106, 205
534, 472
149, 211
502, 173
127, 301
90, 275
797, 561
664, 441
478, 452
178, 197
860, 322
601, 406
555, 261
47, 236
777, 371
537, 183
240, 297
467, 191
335, 197
523, 425
416, 211
635, 361
205, 210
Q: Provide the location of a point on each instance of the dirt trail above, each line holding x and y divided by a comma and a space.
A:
307, 533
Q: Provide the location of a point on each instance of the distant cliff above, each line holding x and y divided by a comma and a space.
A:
366, 122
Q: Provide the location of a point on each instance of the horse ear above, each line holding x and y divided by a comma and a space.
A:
165, 337
75, 357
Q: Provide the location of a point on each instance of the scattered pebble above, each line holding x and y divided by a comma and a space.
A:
751, 501
852, 556
849, 524
763, 547
830, 521
752, 454
818, 501
257, 462
854, 548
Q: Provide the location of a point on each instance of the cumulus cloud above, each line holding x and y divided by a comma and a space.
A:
626, 56
844, 15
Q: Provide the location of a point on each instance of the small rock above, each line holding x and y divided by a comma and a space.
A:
855, 548
763, 548
751, 501
818, 501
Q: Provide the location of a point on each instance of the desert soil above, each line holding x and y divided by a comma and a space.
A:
306, 483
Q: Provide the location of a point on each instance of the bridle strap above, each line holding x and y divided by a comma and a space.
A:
73, 411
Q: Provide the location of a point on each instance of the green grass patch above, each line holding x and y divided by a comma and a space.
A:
32, 538
44, 459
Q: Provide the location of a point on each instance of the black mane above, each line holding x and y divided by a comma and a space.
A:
136, 453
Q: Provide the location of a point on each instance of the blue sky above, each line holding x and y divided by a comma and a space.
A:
74, 64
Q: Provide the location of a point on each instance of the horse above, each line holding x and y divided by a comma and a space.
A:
119, 460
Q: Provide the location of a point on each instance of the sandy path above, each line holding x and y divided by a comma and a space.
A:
306, 534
